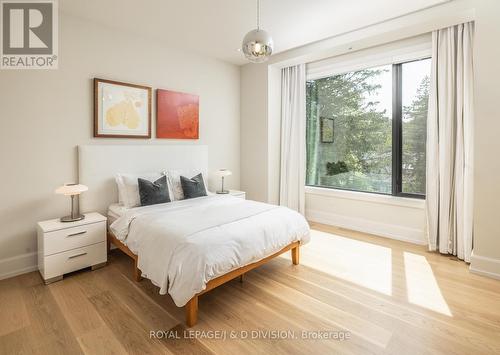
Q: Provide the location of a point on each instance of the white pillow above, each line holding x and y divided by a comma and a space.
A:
121, 190
128, 187
174, 181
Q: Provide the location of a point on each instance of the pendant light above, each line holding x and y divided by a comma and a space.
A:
257, 44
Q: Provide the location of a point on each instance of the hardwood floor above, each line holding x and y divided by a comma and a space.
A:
390, 297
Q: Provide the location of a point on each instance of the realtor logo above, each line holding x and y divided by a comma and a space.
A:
28, 34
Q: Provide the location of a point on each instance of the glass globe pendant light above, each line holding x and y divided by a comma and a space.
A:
257, 44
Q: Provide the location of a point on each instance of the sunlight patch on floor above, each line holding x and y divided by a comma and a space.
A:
422, 287
364, 264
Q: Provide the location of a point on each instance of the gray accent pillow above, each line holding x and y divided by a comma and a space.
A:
152, 193
193, 187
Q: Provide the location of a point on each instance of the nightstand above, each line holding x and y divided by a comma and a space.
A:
236, 193
66, 247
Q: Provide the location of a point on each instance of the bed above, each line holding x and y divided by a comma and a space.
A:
186, 247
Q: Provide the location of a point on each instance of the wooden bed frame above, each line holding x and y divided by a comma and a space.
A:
192, 305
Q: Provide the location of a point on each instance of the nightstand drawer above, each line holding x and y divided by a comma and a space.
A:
72, 260
75, 237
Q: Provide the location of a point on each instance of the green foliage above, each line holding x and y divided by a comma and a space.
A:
363, 135
415, 136
333, 168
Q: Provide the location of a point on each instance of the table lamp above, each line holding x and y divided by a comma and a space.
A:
223, 173
72, 190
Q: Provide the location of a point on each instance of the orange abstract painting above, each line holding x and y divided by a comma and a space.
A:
177, 115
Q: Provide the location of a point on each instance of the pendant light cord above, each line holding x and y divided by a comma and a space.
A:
258, 14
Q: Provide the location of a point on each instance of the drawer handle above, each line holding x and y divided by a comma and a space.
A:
76, 255
75, 234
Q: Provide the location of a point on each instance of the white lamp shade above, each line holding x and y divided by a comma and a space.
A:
71, 189
223, 172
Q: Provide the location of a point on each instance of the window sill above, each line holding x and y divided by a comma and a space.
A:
367, 197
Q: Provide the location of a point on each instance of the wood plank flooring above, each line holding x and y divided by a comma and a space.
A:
389, 297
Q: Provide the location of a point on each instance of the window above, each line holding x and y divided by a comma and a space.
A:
414, 95
366, 129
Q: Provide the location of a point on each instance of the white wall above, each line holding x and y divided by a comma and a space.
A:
254, 134
396, 219
44, 115
486, 253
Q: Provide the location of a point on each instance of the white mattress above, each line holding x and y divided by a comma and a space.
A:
115, 211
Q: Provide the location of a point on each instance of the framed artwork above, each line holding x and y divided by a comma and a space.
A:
327, 130
177, 115
121, 110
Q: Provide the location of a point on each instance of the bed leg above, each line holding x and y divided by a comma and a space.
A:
108, 245
137, 272
295, 255
192, 311
241, 277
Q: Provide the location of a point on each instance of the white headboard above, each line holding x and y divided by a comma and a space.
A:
98, 164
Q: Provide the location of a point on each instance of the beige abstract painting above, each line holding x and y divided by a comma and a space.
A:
122, 110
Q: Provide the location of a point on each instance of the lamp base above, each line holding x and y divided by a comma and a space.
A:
222, 192
72, 218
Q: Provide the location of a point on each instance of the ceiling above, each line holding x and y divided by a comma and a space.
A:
215, 27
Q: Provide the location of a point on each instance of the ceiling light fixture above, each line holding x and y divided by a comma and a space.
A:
257, 44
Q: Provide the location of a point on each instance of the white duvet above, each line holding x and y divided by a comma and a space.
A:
184, 244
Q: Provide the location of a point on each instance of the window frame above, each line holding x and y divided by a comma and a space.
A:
397, 136
397, 131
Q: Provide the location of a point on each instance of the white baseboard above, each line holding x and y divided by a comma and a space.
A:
392, 231
485, 266
18, 265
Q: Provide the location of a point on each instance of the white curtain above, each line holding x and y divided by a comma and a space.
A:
293, 137
450, 142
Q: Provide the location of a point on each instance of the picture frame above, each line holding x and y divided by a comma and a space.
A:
327, 129
121, 110
177, 115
